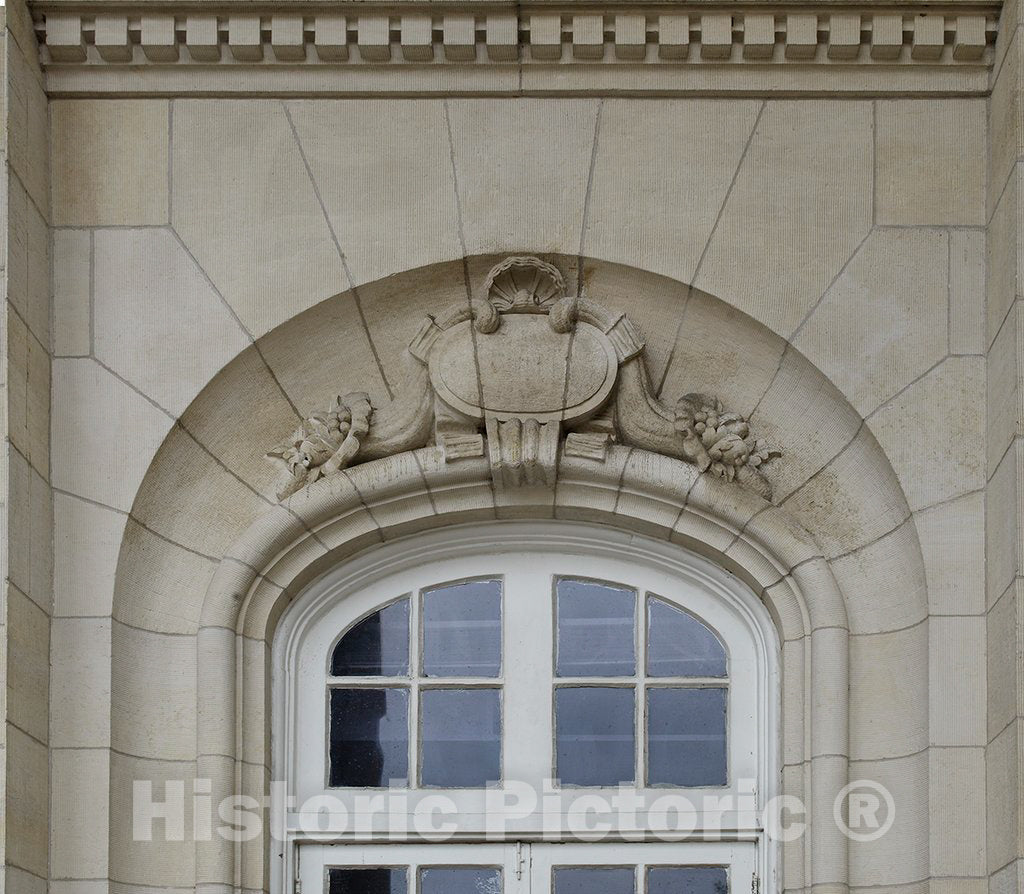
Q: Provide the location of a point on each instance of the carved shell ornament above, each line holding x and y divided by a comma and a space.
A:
520, 376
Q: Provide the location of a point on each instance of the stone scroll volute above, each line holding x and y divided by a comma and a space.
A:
520, 376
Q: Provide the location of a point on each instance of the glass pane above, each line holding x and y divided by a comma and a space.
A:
462, 630
687, 880
595, 734
360, 880
596, 635
686, 737
369, 736
678, 645
591, 880
377, 646
460, 732
461, 880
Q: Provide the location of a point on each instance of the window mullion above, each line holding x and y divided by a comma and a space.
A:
527, 733
641, 689
415, 642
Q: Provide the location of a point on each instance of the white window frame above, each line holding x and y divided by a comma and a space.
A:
503, 549
527, 867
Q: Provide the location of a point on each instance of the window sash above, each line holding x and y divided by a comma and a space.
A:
528, 662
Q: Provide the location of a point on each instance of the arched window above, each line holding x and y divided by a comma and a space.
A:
523, 708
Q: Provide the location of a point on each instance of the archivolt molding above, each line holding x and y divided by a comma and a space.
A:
525, 366
405, 38
633, 490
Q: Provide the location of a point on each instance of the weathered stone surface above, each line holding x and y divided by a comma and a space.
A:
148, 290
230, 428
521, 172
105, 434
718, 227
28, 660
27, 801
249, 212
674, 186
87, 539
196, 502
966, 292
952, 537
72, 293
79, 777
322, 352
100, 178
930, 430
884, 321
722, 350
160, 585
930, 159
784, 218
80, 683
383, 171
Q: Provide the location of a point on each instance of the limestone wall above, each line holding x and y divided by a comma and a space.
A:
26, 515
839, 267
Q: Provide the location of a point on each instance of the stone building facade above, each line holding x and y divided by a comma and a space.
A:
737, 282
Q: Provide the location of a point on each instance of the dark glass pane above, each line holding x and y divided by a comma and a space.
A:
360, 880
461, 880
687, 880
460, 732
377, 646
595, 732
369, 736
678, 645
686, 737
592, 880
462, 630
596, 624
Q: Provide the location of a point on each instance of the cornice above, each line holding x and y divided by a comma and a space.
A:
545, 46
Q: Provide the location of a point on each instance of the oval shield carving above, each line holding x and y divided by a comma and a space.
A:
526, 370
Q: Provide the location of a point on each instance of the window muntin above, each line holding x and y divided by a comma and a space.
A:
613, 725
310, 630
440, 727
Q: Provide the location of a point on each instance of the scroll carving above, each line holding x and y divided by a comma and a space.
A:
519, 376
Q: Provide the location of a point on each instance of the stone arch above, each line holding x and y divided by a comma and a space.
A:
209, 560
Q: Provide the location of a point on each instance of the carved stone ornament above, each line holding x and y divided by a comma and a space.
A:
517, 377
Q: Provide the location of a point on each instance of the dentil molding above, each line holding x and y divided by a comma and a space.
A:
563, 47
521, 376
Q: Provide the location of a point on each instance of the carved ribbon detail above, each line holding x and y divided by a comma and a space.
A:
511, 391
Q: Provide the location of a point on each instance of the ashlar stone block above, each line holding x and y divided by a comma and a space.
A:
930, 432
27, 826
99, 177
87, 539
957, 681
79, 812
97, 415
952, 538
883, 323
246, 208
28, 665
158, 322
384, 174
931, 161
153, 681
521, 185
80, 691
72, 309
685, 154
799, 208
